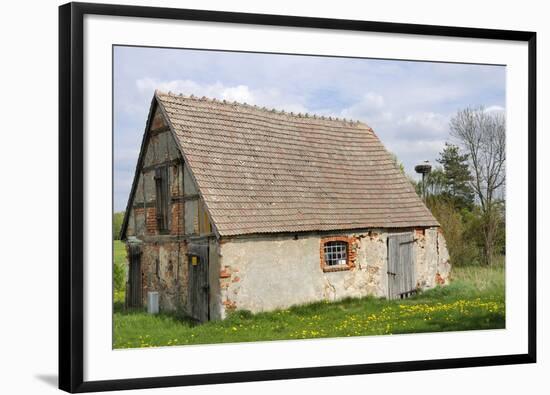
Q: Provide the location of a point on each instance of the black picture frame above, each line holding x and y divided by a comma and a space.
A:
71, 195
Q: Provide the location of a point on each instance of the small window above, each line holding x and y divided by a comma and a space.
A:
336, 253
162, 193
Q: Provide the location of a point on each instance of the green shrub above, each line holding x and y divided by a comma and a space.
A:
117, 224
459, 231
119, 266
119, 277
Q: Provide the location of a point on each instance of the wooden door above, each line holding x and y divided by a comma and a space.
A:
198, 291
401, 273
134, 298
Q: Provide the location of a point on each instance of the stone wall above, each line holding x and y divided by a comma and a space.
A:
214, 279
432, 258
262, 274
164, 269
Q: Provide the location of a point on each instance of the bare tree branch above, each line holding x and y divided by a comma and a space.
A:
483, 136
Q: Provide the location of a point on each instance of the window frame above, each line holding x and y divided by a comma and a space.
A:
337, 267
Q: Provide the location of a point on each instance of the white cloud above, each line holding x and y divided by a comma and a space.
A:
420, 149
218, 90
369, 105
269, 97
392, 120
423, 124
495, 108
240, 93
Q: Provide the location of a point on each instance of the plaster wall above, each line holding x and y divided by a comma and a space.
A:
261, 274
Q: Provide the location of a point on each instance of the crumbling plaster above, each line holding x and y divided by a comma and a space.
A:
266, 273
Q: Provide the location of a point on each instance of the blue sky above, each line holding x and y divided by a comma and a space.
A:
408, 104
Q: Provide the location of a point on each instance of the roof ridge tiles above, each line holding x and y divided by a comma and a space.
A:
256, 107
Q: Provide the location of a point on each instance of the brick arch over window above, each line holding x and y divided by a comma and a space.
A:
335, 241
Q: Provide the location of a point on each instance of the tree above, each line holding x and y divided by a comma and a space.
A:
435, 183
457, 176
482, 135
461, 244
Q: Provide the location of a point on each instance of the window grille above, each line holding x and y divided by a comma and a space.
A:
336, 253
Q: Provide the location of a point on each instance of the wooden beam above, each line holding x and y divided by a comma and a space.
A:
143, 204
175, 161
172, 238
179, 198
159, 130
183, 198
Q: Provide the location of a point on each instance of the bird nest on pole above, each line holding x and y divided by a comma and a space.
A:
423, 168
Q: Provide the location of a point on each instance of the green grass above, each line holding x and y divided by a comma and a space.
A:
474, 300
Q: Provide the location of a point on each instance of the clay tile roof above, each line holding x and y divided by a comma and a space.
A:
264, 171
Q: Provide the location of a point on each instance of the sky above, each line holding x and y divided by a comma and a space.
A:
407, 103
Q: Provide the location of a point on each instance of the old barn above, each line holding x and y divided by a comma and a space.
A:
239, 207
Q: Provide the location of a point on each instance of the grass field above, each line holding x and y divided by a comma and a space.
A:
473, 300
